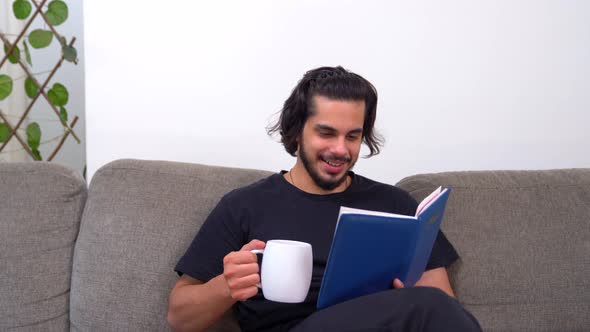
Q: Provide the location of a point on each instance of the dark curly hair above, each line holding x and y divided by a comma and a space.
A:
334, 83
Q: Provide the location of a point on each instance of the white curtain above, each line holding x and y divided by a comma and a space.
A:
13, 106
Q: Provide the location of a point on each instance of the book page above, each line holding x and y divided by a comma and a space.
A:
349, 210
344, 209
428, 200
421, 207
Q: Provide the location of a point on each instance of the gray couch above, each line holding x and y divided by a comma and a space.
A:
102, 259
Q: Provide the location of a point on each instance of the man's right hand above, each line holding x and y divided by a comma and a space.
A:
196, 306
240, 270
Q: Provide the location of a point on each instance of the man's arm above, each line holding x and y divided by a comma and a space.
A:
437, 278
432, 278
195, 306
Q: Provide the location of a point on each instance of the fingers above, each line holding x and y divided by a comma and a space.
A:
239, 257
254, 244
398, 283
244, 282
240, 270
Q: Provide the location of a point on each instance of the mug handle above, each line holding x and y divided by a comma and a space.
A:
258, 251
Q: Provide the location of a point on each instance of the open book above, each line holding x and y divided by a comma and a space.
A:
372, 248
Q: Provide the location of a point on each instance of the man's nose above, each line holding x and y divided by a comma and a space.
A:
339, 148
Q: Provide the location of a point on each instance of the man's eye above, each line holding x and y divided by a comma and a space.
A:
353, 137
326, 134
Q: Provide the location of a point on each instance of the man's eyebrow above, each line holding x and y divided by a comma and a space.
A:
324, 127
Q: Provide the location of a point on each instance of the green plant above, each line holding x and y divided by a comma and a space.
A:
57, 96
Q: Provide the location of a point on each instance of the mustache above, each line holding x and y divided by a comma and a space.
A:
330, 156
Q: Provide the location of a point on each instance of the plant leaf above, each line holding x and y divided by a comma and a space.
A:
21, 9
57, 12
33, 135
58, 94
5, 86
52, 96
70, 54
63, 114
37, 154
4, 132
40, 38
31, 88
27, 53
14, 56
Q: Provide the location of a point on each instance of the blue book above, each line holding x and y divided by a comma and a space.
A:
372, 248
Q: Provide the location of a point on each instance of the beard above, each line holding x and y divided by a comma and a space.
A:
325, 184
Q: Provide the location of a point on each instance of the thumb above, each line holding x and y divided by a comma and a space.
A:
254, 244
397, 283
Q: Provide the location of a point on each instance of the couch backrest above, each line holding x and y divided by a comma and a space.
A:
524, 242
40, 208
139, 219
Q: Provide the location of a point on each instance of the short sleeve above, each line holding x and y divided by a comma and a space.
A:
220, 234
443, 253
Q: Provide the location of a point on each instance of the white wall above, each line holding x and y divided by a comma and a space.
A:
462, 84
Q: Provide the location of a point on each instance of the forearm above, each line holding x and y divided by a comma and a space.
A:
197, 307
436, 278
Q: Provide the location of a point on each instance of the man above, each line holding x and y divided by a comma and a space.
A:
329, 114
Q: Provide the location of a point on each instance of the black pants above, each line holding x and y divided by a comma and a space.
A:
406, 309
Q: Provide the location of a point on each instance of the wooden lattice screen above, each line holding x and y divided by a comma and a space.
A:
55, 13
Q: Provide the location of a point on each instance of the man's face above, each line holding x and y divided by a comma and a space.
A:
331, 140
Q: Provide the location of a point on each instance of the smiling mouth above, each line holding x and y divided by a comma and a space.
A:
336, 163
333, 163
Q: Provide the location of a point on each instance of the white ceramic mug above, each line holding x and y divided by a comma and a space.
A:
285, 274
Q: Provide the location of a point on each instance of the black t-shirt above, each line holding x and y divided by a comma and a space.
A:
274, 209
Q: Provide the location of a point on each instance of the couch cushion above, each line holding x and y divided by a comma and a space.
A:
40, 209
524, 242
139, 219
